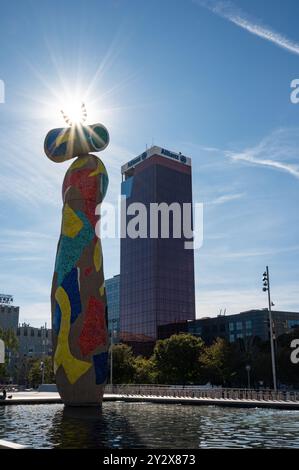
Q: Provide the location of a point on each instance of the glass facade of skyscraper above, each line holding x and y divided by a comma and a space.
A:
112, 292
157, 274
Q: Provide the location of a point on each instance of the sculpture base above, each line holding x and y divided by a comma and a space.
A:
83, 405
84, 393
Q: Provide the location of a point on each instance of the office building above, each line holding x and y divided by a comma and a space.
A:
113, 302
9, 314
34, 342
253, 323
157, 272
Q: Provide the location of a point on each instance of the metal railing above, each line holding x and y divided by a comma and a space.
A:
178, 391
9, 388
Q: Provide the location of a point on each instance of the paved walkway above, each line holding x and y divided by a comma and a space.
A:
33, 398
29, 398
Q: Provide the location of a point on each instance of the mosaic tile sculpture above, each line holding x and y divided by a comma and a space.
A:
78, 298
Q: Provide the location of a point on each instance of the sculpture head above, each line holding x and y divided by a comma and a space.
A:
66, 143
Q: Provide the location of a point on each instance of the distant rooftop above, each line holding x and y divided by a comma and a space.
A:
253, 310
6, 299
155, 150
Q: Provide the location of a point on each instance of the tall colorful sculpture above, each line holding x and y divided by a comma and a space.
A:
78, 298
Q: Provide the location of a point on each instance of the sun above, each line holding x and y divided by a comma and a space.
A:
74, 112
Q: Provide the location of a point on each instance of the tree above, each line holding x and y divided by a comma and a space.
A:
287, 372
145, 372
35, 372
258, 355
123, 364
23, 367
249, 350
177, 359
219, 363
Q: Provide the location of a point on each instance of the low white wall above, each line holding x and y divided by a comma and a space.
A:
10, 445
47, 388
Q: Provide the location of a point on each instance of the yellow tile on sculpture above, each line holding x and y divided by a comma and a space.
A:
74, 368
100, 169
97, 256
102, 289
78, 163
62, 137
71, 223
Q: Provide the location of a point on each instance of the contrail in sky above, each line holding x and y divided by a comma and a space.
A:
235, 15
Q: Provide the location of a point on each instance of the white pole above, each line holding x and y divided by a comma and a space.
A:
2, 352
111, 360
271, 333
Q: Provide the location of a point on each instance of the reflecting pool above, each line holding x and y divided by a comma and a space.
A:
144, 425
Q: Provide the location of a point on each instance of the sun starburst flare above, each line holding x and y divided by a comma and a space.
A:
74, 114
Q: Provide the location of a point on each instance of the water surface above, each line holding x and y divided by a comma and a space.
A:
144, 425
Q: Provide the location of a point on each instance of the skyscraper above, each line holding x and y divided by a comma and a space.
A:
112, 292
157, 274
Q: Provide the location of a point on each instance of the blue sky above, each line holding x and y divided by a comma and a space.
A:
209, 79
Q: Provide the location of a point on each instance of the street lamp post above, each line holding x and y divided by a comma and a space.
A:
111, 352
2, 351
266, 284
248, 369
111, 360
42, 368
